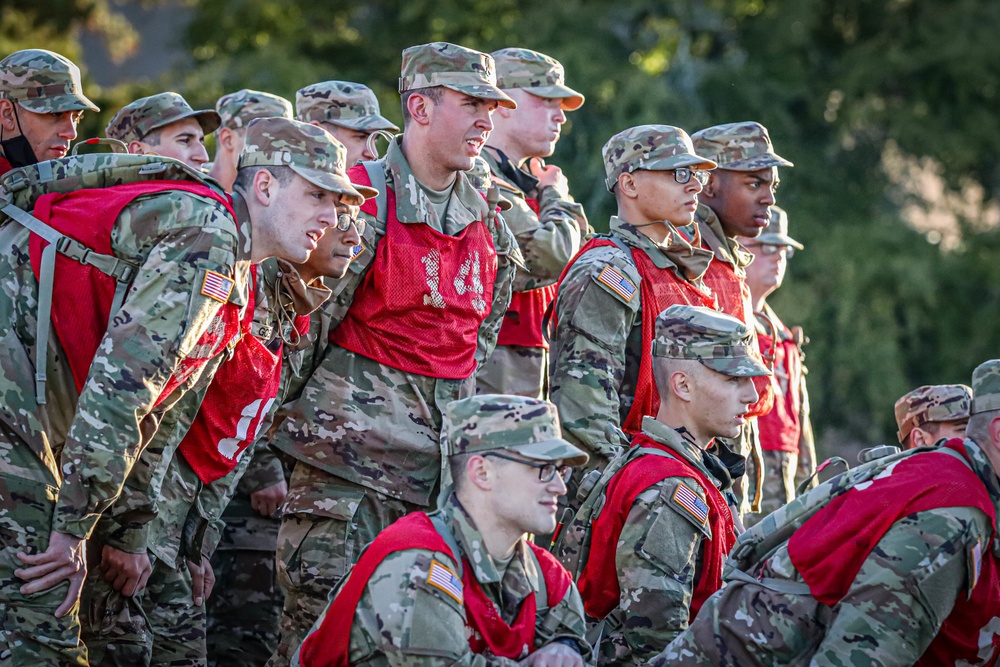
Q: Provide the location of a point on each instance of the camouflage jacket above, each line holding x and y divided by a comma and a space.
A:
372, 424
89, 442
401, 620
548, 239
657, 561
598, 338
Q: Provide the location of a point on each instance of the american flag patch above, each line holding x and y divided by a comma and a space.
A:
356, 251
690, 501
618, 283
443, 579
217, 286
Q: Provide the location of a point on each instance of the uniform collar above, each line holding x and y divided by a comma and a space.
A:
676, 252
687, 450
501, 166
473, 547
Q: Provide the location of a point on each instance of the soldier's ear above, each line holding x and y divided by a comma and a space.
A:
681, 386
709, 188
263, 187
479, 472
995, 433
627, 186
7, 115
418, 106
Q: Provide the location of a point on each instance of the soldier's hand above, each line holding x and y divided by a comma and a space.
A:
127, 573
554, 655
549, 176
64, 559
202, 580
267, 500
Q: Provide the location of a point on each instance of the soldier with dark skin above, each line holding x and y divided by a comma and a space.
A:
932, 413
36, 127
164, 124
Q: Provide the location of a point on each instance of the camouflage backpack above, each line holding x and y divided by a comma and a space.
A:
19, 190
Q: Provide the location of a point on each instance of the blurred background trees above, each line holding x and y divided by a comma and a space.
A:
886, 107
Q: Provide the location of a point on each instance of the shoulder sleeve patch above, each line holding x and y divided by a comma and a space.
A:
442, 578
217, 286
689, 503
617, 283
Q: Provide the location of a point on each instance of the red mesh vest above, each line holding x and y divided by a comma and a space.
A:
82, 295
421, 303
781, 428
5, 166
830, 548
522, 324
329, 645
598, 582
236, 403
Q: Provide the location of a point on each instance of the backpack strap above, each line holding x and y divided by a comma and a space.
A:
376, 174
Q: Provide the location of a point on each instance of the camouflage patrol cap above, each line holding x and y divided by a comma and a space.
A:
136, 120
528, 426
742, 146
237, 109
310, 151
986, 387
342, 103
536, 73
717, 340
452, 66
43, 82
652, 147
932, 403
776, 232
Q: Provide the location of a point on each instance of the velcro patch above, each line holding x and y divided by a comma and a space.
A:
217, 286
975, 565
617, 282
443, 579
688, 500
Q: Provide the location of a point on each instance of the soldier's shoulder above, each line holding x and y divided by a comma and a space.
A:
176, 208
422, 571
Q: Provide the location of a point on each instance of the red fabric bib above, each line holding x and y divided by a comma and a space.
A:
522, 323
781, 428
82, 295
329, 645
236, 403
420, 306
5, 166
830, 548
598, 582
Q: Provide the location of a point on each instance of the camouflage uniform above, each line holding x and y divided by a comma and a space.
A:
548, 239
743, 146
596, 348
907, 587
401, 619
167, 509
236, 111
341, 103
931, 404
41, 82
359, 422
136, 120
661, 550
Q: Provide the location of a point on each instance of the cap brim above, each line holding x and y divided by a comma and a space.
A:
779, 239
757, 162
555, 449
486, 92
335, 183
364, 123
571, 100
59, 104
737, 367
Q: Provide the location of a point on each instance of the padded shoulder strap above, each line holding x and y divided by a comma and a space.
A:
376, 174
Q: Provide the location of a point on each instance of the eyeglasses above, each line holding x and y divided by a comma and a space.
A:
773, 249
546, 471
683, 175
345, 220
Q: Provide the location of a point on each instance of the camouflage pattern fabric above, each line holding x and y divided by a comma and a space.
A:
245, 608
137, 119
715, 340
237, 110
986, 387
778, 485
900, 597
743, 146
401, 621
537, 73
652, 147
43, 82
456, 67
931, 404
342, 103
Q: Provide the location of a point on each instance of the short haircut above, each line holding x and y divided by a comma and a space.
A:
433, 93
664, 367
244, 177
457, 464
153, 137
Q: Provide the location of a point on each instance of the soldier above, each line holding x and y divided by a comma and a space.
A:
933, 413
41, 104
895, 566
665, 526
463, 585
546, 221
348, 111
68, 447
191, 488
236, 111
418, 313
736, 202
610, 294
164, 124
786, 435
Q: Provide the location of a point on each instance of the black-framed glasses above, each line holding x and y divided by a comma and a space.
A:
546, 471
683, 175
774, 249
345, 220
